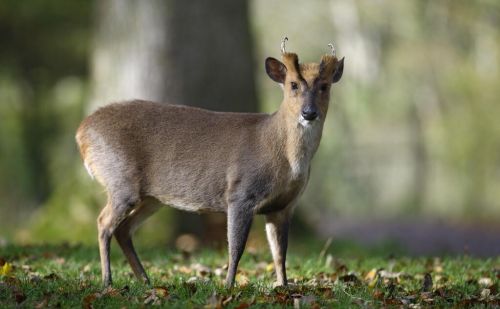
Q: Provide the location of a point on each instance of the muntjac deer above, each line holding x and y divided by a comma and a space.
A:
146, 154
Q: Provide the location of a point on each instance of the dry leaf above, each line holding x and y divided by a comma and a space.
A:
86, 268
161, 291
371, 275
19, 297
485, 294
51, 276
485, 282
389, 275
242, 280
155, 295
227, 300
89, 299
350, 278
242, 306
427, 283
201, 270
219, 272
184, 269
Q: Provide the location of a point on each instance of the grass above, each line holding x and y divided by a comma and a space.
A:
69, 276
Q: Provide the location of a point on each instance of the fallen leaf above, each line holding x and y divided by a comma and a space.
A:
111, 291
378, 294
156, 295
161, 291
427, 283
242, 280
340, 268
12, 281
89, 299
373, 283
227, 300
242, 306
19, 297
51, 276
371, 275
219, 272
485, 294
184, 269
485, 282
86, 268
6, 269
201, 270
389, 275
326, 292
426, 296
34, 277
350, 278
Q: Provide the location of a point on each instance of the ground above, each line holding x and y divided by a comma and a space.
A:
69, 276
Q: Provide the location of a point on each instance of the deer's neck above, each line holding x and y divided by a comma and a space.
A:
297, 143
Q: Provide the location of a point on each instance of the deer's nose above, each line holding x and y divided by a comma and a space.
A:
309, 114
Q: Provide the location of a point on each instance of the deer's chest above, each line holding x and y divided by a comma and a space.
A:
283, 196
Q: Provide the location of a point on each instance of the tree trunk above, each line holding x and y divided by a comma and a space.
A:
186, 52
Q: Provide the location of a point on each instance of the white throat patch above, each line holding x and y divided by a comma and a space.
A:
309, 141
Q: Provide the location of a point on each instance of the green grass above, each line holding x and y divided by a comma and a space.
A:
69, 276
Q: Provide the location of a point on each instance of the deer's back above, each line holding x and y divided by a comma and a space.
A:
177, 154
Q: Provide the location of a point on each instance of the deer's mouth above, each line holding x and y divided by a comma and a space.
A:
307, 123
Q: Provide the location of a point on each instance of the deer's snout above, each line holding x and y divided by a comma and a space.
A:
309, 112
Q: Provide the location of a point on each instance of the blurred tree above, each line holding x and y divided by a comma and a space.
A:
36, 52
184, 52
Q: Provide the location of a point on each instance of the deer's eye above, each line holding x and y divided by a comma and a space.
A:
294, 85
323, 87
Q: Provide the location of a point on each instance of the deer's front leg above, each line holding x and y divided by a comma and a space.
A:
277, 225
239, 221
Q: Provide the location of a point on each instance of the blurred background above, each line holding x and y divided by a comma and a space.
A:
411, 148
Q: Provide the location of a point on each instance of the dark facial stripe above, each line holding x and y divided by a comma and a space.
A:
297, 69
322, 67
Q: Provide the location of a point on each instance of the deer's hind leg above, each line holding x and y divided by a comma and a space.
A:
112, 215
123, 235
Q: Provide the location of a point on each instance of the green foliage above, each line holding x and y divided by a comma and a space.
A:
43, 70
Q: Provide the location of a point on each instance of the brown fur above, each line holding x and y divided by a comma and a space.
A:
199, 160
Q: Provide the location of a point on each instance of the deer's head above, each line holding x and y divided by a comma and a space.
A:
306, 86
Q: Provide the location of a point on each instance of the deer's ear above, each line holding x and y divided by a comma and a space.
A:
337, 74
276, 70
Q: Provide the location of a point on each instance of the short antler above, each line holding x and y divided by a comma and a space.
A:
283, 50
333, 49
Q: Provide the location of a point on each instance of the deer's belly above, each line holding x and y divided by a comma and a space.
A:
192, 205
